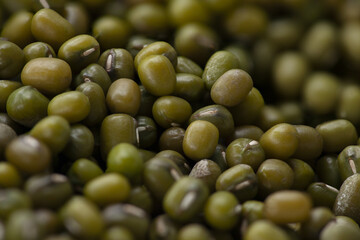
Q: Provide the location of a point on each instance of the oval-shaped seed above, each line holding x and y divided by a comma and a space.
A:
200, 140
157, 75
287, 206
231, 88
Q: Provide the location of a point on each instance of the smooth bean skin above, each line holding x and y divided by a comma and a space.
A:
269, 116
189, 86
348, 36
318, 219
248, 111
274, 175
171, 111
85, 214
82, 171
246, 100
321, 92
246, 22
156, 48
140, 197
194, 231
12, 59
6, 88
340, 230
74, 106
265, 230
186, 65
116, 128
50, 27
303, 173
54, 131
222, 210
96, 96
310, 143
124, 158
242, 55
327, 168
18, 29
292, 112
149, 19
205, 44
319, 44
219, 63
37, 73
290, 71
27, 106
231, 88
107, 189
348, 103
218, 115
172, 139
280, 141
124, 96
157, 75
9, 176
28, 154
182, 12
287, 207
80, 144
116, 232
111, 32
252, 210
200, 140
337, 134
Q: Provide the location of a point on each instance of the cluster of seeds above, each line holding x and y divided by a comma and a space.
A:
179, 119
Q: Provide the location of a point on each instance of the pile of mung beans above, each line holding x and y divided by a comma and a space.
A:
179, 119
